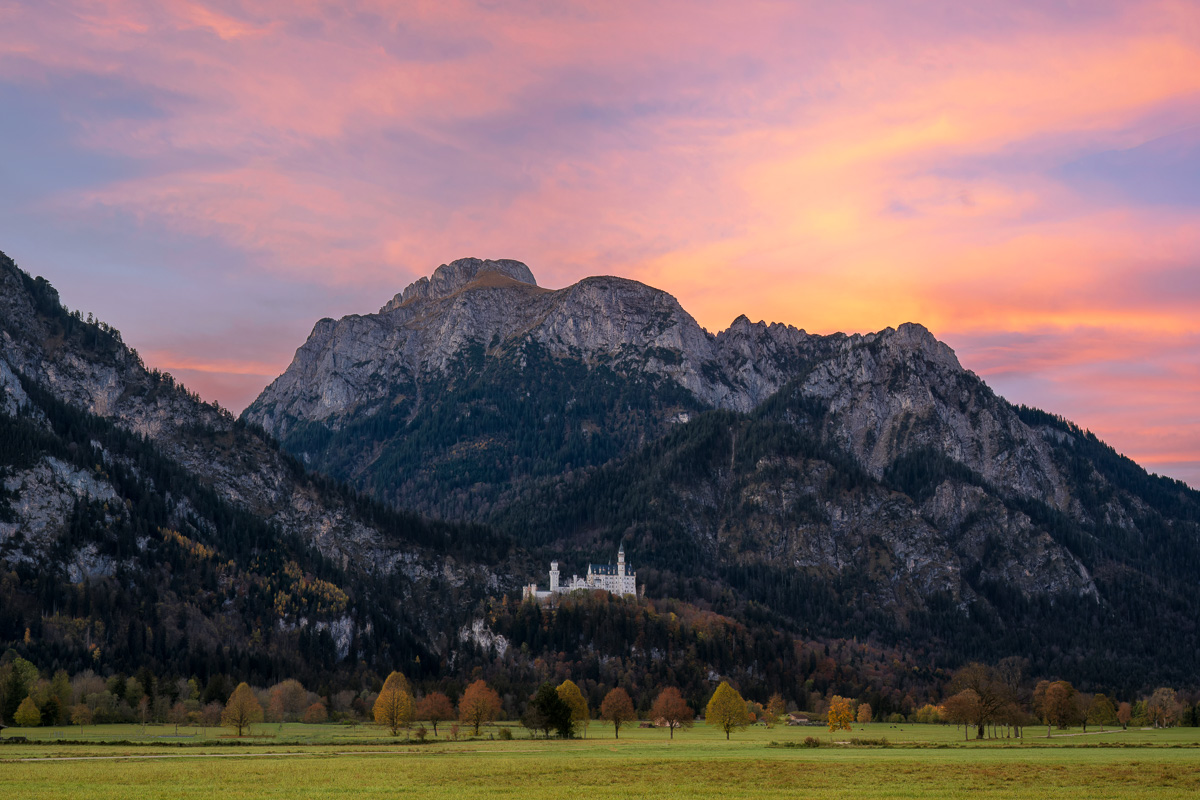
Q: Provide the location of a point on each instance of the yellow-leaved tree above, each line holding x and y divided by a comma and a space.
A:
242, 710
394, 707
864, 713
726, 709
27, 714
841, 714
569, 693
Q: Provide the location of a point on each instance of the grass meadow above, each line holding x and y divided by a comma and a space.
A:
319, 761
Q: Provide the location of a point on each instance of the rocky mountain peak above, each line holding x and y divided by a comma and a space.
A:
914, 337
450, 278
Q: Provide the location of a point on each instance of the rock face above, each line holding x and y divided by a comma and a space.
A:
162, 459
354, 365
889, 393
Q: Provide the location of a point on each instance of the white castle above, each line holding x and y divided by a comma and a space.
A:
615, 578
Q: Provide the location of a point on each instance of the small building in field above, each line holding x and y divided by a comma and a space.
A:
615, 578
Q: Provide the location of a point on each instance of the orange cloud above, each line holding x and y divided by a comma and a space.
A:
838, 168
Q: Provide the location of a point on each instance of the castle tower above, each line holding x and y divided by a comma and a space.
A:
553, 576
621, 561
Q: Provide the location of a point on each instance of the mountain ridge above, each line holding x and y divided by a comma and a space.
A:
867, 472
881, 493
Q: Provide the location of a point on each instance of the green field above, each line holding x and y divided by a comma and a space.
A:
296, 760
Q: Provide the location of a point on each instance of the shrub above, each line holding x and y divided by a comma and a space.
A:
880, 742
812, 741
505, 734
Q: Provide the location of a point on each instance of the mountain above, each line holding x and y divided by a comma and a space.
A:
863, 485
141, 527
854, 514
142, 530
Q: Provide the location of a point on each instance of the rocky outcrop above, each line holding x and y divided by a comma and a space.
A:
889, 393
450, 278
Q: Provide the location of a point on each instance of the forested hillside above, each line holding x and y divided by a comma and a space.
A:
759, 511
164, 534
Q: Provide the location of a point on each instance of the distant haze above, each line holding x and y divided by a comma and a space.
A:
1021, 178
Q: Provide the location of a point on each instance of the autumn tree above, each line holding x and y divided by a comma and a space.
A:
864, 713
1101, 711
1124, 714
435, 707
316, 714
1054, 702
671, 708
841, 713
573, 697
617, 708
775, 710
396, 680
288, 700
962, 709
726, 709
1163, 708
394, 708
242, 710
82, 715
28, 715
479, 704
990, 688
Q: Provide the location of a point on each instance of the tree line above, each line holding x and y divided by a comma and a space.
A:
989, 700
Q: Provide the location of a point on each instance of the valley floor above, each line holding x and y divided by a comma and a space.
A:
331, 761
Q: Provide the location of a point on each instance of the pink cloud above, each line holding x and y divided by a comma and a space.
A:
837, 168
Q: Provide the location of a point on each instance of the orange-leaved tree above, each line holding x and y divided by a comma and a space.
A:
242, 710
726, 709
672, 709
479, 704
1054, 701
435, 707
1124, 714
962, 709
617, 708
841, 714
864, 713
315, 714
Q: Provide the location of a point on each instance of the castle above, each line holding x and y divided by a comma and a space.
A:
615, 578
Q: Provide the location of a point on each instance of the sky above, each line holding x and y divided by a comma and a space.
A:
1023, 178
